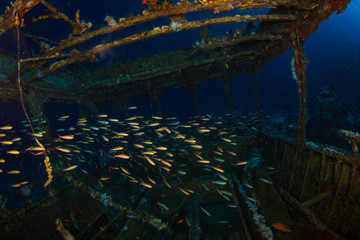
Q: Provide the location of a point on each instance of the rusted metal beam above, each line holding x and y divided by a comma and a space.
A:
157, 31
305, 211
316, 199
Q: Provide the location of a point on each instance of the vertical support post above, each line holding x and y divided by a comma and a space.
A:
151, 104
192, 88
124, 109
337, 192
257, 100
151, 98
94, 111
298, 69
309, 160
227, 93
82, 110
156, 96
194, 232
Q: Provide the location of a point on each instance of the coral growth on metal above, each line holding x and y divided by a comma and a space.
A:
229, 56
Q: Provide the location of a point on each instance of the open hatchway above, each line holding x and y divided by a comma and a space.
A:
162, 178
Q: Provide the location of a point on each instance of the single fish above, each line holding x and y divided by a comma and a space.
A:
196, 146
8, 127
265, 181
123, 156
61, 149
70, 168
67, 137
138, 145
104, 178
149, 160
151, 180
125, 171
13, 152
205, 211
281, 227
37, 135
163, 206
240, 163
146, 185
252, 199
217, 169
222, 177
117, 148
203, 161
223, 222
226, 192
181, 172
105, 138
185, 192
220, 182
161, 148
231, 205
248, 185
226, 139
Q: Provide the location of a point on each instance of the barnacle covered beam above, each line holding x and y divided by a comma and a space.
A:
169, 11
220, 43
17, 8
300, 67
168, 29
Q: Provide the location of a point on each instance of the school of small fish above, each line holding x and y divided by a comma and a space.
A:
147, 152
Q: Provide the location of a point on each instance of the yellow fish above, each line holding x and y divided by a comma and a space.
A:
37, 134
14, 152
117, 148
104, 178
125, 171
197, 146
70, 168
149, 160
63, 149
105, 138
146, 185
217, 169
123, 156
161, 148
6, 127
240, 163
67, 137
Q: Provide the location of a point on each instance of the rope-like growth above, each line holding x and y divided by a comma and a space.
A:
47, 160
17, 24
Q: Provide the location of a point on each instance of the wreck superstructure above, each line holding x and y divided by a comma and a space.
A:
58, 73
